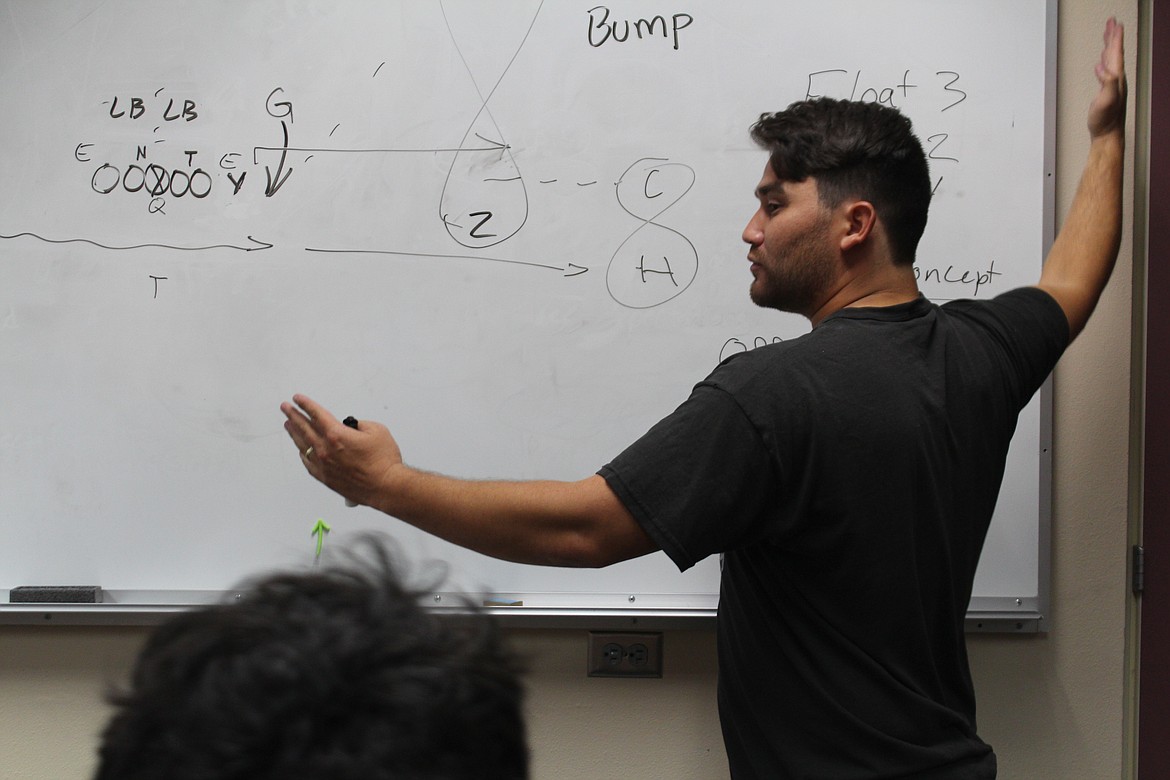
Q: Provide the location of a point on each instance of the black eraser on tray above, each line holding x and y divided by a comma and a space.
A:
55, 594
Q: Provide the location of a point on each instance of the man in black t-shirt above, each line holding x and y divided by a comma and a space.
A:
848, 475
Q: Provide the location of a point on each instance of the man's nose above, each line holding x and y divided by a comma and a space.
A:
752, 233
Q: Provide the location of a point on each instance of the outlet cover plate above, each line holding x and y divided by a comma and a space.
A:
623, 654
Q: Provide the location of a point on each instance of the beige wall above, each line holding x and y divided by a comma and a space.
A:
1054, 706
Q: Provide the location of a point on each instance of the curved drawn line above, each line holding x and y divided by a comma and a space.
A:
260, 244
484, 109
507, 67
679, 292
276, 182
682, 195
665, 162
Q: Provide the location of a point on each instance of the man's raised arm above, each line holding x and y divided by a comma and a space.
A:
1082, 257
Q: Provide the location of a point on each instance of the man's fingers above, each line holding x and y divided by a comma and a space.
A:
311, 420
1107, 111
1112, 65
298, 437
300, 429
315, 413
296, 423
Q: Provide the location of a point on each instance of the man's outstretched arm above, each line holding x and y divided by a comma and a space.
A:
1083, 255
580, 524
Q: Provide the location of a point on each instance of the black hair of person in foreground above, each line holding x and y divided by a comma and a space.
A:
337, 673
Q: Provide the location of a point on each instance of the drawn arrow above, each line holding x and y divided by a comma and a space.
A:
259, 245
492, 146
320, 529
275, 183
567, 271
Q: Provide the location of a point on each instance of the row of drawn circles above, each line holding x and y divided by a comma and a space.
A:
153, 179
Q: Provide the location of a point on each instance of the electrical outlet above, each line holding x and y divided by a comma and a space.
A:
625, 655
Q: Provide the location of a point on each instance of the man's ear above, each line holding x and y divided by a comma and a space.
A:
860, 218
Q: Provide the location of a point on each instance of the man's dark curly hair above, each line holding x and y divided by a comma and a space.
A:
336, 674
858, 150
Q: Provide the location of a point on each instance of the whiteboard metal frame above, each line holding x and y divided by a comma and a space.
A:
1024, 614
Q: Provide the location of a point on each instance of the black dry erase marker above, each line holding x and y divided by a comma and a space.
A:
350, 421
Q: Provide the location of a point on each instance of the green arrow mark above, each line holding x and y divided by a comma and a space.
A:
319, 531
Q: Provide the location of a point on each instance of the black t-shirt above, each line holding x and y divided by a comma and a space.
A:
850, 476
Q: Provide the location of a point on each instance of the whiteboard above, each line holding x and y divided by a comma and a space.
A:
508, 230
